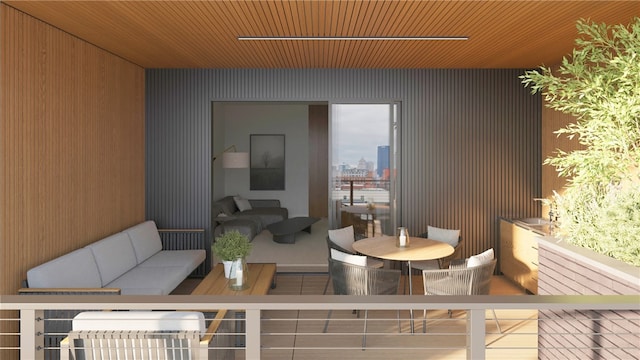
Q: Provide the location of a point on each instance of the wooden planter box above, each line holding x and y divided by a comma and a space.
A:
566, 269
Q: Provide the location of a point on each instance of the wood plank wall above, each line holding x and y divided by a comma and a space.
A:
71, 145
318, 160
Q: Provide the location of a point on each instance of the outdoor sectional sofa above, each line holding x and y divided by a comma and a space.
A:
131, 262
140, 260
249, 217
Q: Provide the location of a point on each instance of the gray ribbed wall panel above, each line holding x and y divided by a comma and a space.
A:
470, 140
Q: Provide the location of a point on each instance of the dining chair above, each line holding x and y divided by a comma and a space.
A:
449, 236
471, 276
351, 277
342, 240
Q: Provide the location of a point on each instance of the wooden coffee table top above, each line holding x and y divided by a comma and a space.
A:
261, 278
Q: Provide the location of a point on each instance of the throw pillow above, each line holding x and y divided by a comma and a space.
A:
348, 258
242, 204
451, 237
343, 237
480, 259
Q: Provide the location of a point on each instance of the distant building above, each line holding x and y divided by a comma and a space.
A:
355, 174
383, 160
362, 164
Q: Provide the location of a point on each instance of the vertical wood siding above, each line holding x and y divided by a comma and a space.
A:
318, 160
470, 139
71, 144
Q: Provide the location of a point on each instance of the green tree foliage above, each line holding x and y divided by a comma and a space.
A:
599, 85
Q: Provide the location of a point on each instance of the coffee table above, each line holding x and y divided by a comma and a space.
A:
262, 277
284, 231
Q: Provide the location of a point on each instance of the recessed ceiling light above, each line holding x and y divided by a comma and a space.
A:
351, 38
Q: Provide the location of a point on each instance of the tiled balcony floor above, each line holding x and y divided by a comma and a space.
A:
303, 329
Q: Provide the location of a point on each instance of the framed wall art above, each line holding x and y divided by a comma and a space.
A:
267, 162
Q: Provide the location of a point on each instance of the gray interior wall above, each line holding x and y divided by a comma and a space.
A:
241, 120
470, 139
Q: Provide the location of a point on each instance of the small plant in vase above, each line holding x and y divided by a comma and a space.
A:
232, 248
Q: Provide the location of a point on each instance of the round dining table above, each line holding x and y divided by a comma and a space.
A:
384, 247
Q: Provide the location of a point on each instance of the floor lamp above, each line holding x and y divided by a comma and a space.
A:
232, 159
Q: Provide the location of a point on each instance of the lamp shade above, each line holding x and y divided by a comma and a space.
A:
235, 160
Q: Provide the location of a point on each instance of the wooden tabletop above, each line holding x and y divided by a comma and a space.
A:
261, 277
384, 247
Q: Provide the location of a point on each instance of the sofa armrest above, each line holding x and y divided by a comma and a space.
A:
186, 239
265, 203
69, 291
221, 219
182, 239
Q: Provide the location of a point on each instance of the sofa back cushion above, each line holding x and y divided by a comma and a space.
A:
114, 256
449, 236
344, 237
77, 269
348, 258
228, 205
145, 240
481, 259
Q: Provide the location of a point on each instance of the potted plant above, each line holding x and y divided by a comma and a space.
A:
599, 208
229, 247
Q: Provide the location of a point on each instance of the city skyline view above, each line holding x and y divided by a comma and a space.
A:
358, 130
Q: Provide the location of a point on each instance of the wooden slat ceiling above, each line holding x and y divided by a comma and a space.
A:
203, 34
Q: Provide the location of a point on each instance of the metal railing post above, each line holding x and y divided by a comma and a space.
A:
351, 192
252, 333
32, 334
476, 333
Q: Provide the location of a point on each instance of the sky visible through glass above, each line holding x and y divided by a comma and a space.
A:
358, 130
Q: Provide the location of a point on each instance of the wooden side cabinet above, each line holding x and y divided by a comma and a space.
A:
519, 255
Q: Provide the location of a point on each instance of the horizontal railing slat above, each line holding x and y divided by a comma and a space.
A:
325, 302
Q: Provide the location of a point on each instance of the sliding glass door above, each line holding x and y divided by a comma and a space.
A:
363, 175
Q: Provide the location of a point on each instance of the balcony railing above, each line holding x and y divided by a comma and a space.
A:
256, 315
361, 191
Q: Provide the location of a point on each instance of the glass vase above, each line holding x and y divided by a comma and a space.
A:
239, 275
402, 237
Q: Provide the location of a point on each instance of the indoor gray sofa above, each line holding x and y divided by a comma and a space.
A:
250, 222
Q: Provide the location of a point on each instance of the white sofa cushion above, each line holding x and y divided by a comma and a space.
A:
114, 256
449, 236
348, 258
344, 237
187, 259
145, 240
76, 269
140, 320
480, 259
149, 280
242, 204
